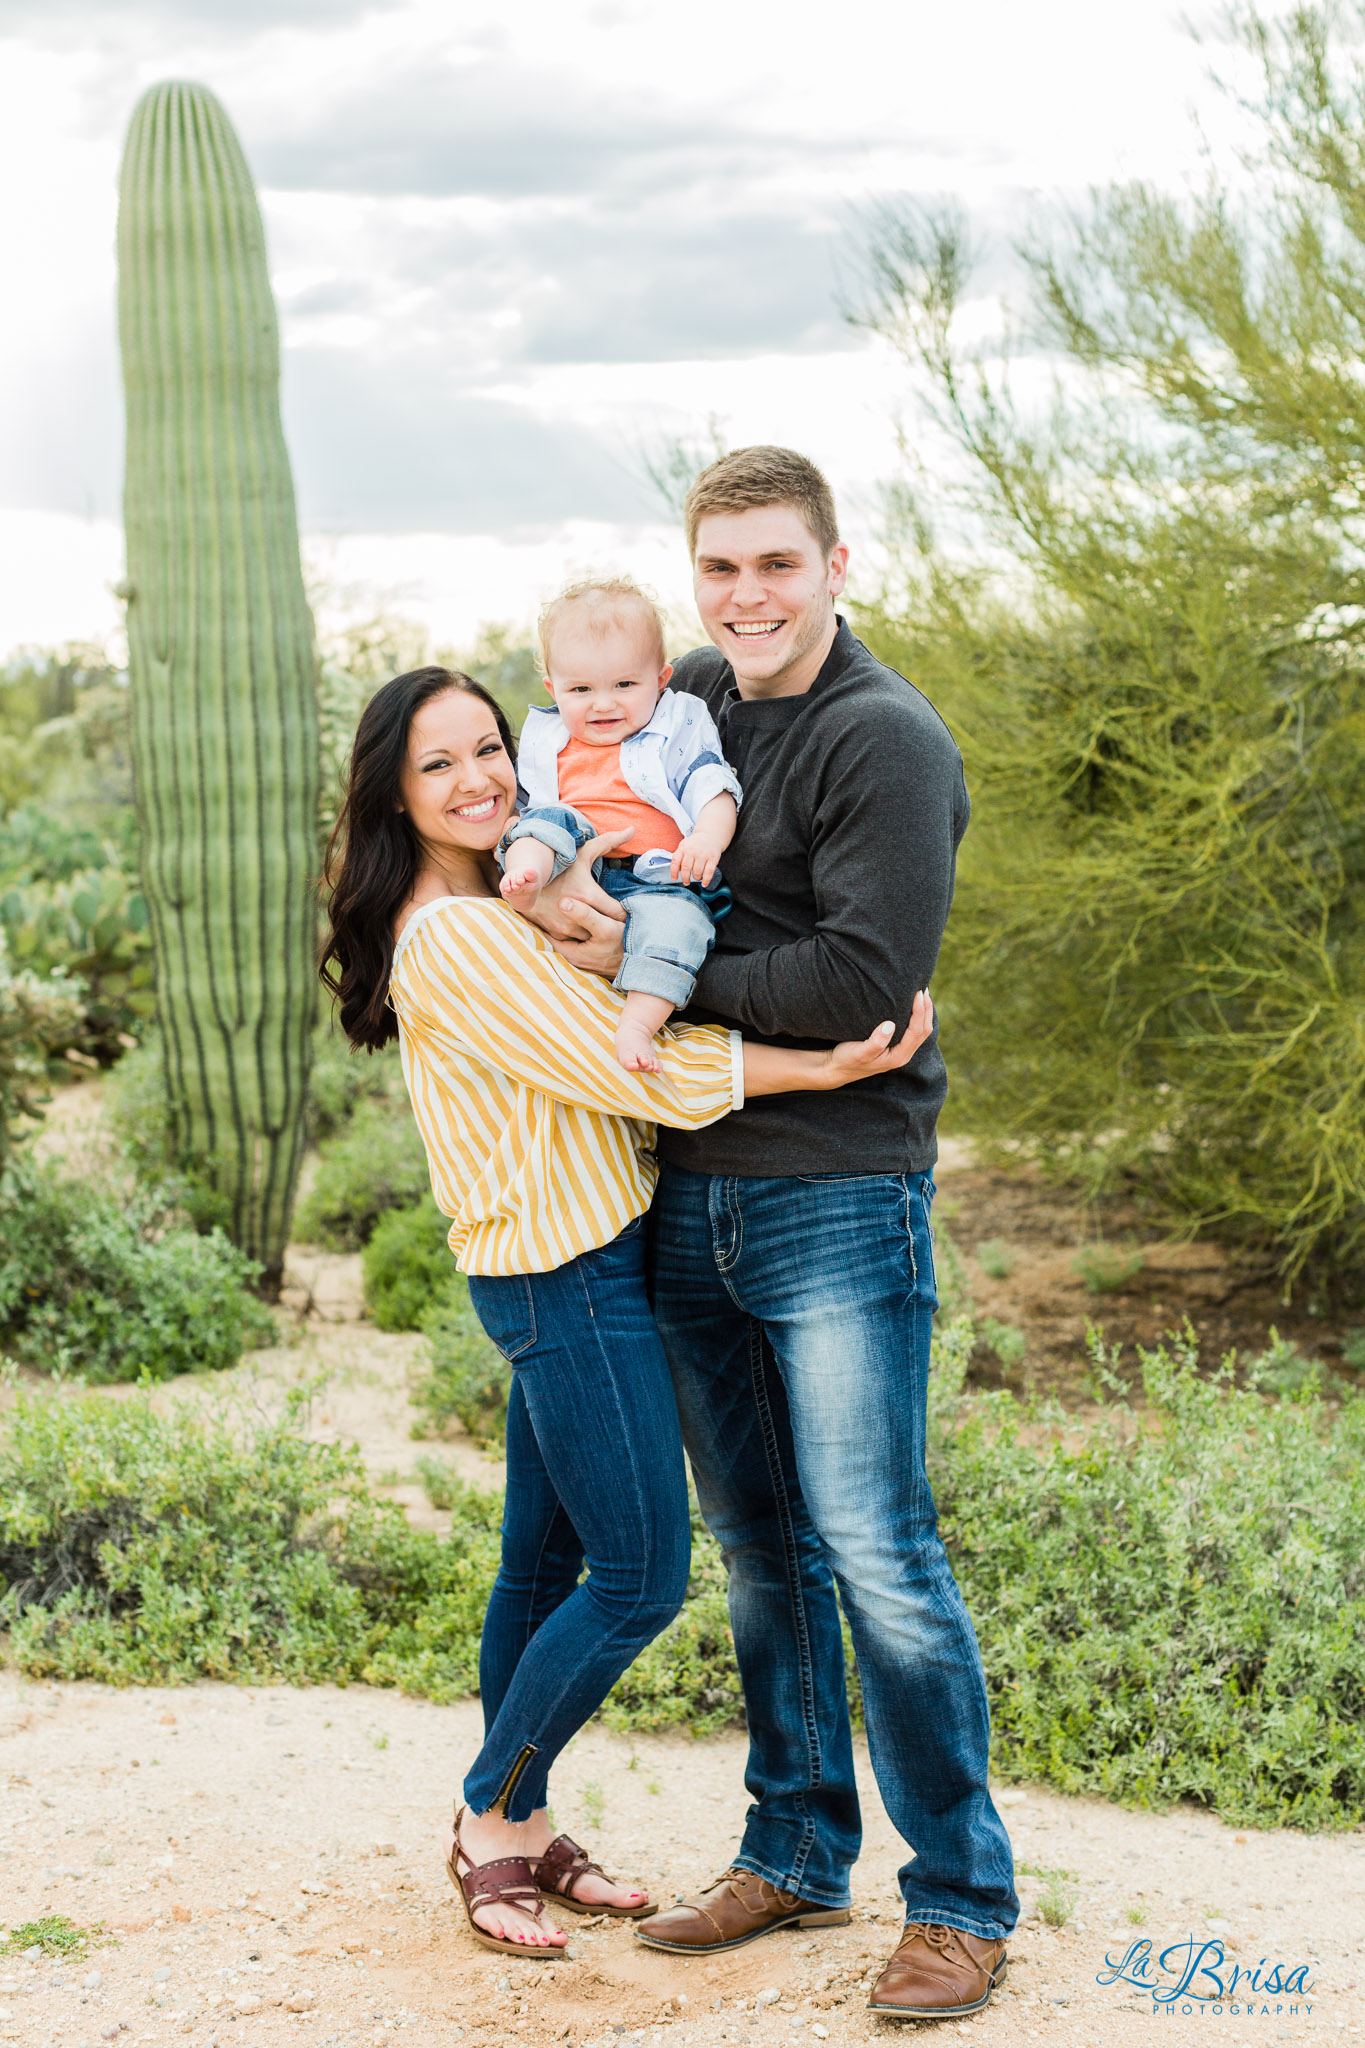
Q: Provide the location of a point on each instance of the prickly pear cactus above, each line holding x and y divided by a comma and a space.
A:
222, 661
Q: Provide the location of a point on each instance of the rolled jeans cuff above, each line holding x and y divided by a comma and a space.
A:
656, 978
561, 842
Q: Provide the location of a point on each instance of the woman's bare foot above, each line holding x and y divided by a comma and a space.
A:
590, 1889
485, 1838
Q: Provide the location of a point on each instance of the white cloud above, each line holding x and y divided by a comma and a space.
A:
511, 241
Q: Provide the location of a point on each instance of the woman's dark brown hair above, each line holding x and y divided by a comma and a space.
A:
373, 856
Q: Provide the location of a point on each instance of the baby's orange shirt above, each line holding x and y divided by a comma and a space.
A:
590, 779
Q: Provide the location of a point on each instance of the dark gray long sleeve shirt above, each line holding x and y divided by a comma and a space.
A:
842, 870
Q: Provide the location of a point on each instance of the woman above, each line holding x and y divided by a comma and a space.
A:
538, 1143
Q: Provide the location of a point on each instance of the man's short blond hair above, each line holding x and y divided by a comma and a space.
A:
763, 476
603, 602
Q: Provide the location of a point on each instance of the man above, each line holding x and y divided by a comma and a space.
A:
793, 1264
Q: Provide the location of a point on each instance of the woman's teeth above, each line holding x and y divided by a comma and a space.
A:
474, 812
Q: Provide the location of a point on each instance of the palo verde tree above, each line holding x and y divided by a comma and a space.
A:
1156, 960
222, 661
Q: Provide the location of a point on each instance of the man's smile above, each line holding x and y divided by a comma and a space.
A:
755, 629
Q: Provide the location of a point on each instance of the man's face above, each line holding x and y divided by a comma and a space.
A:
765, 593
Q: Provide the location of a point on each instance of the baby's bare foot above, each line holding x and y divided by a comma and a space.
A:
521, 886
635, 1047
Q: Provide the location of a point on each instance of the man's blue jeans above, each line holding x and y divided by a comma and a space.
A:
594, 1474
796, 1315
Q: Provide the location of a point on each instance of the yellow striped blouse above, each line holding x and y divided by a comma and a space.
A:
540, 1145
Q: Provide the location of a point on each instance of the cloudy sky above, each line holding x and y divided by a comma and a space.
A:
513, 241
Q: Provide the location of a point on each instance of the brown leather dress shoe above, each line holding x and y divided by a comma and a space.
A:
737, 1908
938, 1973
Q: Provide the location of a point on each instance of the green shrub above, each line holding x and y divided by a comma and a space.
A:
340, 1080
37, 1014
375, 1163
440, 1482
155, 1549
1007, 1343
53, 1935
71, 902
1171, 1604
995, 1258
407, 1265
1106, 1268
1134, 592
465, 1376
104, 1286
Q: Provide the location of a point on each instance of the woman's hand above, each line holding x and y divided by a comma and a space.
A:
776, 1070
856, 1060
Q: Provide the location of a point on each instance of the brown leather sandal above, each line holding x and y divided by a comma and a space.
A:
558, 1871
507, 1881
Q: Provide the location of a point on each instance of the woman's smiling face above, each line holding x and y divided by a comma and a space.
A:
458, 785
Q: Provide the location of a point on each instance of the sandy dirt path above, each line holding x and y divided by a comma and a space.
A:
266, 1862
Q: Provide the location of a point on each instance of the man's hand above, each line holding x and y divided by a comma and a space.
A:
583, 924
601, 952
550, 916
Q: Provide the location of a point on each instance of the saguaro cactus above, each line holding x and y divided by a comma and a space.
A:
222, 660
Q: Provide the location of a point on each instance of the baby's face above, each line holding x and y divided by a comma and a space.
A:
606, 686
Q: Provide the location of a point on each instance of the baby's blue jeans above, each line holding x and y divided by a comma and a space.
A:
670, 926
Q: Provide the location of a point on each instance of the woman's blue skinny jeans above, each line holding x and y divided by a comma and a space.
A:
595, 1475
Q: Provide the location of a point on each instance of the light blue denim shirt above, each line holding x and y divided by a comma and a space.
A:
674, 763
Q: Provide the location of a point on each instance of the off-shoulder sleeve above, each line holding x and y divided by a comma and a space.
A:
477, 976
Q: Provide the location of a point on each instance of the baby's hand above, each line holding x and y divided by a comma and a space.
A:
694, 861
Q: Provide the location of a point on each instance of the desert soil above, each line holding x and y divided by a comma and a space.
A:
1230, 1298
265, 1866
265, 1863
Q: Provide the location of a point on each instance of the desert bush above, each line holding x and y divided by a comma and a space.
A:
64, 734
1156, 961
71, 903
1106, 1268
373, 1164
407, 1265
1005, 1341
995, 1258
1170, 1601
341, 1079
37, 1014
150, 1549
101, 1284
509, 665
464, 1376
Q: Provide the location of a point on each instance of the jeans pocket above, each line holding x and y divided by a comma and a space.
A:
926, 1279
848, 1179
506, 1307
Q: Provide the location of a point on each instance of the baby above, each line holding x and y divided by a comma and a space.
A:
618, 752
